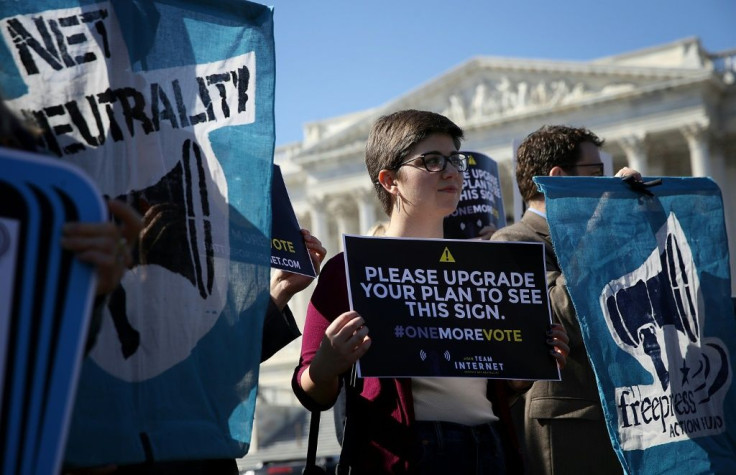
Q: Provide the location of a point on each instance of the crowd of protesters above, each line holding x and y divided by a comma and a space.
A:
407, 425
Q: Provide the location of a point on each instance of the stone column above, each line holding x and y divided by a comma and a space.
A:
304, 221
724, 173
366, 209
729, 207
317, 209
634, 147
697, 141
718, 162
342, 211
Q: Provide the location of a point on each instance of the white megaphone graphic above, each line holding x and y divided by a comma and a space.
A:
655, 314
177, 287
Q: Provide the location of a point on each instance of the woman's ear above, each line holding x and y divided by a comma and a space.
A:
387, 179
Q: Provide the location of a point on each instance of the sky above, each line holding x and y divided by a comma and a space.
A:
334, 57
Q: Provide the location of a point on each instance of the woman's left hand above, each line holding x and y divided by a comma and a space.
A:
558, 340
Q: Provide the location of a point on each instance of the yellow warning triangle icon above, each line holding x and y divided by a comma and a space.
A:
471, 160
447, 256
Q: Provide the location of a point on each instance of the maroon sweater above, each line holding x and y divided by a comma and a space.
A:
379, 434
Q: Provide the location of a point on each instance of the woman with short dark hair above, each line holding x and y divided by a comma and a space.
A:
406, 425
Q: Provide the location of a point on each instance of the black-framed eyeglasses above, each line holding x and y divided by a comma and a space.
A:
598, 171
436, 162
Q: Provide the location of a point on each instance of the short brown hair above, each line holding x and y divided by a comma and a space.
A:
548, 147
394, 135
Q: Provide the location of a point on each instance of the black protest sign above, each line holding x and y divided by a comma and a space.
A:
437, 307
288, 251
481, 203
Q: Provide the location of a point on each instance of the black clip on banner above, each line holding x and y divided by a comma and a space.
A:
641, 186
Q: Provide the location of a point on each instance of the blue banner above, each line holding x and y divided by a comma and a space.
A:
167, 105
649, 278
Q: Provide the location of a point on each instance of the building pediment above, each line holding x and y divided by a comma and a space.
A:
488, 89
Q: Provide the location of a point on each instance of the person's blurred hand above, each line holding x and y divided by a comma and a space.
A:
107, 246
557, 338
486, 232
626, 171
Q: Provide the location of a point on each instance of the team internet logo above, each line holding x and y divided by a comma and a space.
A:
655, 314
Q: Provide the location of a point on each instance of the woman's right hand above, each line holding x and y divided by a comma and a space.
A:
344, 342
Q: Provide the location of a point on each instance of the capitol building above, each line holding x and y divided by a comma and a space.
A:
667, 110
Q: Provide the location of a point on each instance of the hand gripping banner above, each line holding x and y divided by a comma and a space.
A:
167, 105
649, 277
